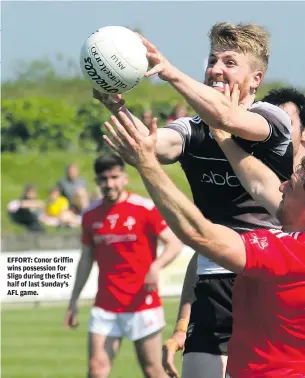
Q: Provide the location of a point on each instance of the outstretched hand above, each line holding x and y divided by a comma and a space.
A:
219, 134
126, 140
158, 63
113, 103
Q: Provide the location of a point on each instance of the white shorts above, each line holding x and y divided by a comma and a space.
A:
133, 325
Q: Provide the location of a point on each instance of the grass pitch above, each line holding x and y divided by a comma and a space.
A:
36, 345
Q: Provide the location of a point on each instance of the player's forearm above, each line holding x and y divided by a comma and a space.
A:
168, 148
187, 294
137, 122
212, 106
258, 180
82, 273
170, 252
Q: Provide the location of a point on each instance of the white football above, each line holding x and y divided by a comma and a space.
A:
113, 59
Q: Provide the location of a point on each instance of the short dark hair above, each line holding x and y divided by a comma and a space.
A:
107, 161
27, 188
281, 96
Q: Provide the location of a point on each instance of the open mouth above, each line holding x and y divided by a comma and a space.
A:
218, 84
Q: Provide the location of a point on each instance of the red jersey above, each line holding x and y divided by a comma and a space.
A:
269, 307
124, 236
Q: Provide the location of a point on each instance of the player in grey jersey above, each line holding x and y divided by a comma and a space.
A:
239, 57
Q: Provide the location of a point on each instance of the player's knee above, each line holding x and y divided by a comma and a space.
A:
99, 367
153, 370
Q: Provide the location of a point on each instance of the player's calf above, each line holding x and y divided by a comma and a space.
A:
99, 367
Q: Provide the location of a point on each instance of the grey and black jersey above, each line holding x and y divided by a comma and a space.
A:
216, 190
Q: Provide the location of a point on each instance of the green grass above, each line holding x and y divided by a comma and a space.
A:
45, 169
35, 344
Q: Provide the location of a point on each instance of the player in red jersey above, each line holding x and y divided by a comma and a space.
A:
269, 295
121, 233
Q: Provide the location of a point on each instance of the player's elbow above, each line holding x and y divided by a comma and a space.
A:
176, 245
256, 189
173, 244
268, 199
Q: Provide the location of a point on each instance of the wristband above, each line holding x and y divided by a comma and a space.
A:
182, 325
171, 344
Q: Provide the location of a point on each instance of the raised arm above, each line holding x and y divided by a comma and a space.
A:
216, 242
217, 111
258, 180
169, 142
212, 106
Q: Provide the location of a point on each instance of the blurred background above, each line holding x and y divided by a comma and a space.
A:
52, 131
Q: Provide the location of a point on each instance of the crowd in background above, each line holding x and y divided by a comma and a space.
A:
63, 207
68, 198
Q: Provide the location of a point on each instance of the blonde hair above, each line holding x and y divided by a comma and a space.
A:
249, 39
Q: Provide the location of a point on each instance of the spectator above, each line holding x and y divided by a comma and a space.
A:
57, 211
26, 211
56, 203
95, 195
74, 188
180, 111
147, 117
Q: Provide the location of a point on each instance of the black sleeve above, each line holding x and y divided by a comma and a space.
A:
280, 126
277, 150
183, 127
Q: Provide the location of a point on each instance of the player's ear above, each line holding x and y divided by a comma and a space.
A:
257, 78
125, 178
303, 136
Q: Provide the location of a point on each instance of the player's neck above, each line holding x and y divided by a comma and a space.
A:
247, 101
122, 197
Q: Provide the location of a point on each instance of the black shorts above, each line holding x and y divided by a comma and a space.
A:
210, 326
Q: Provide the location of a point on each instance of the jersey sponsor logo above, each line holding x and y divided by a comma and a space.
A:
113, 218
217, 179
261, 242
129, 223
114, 238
